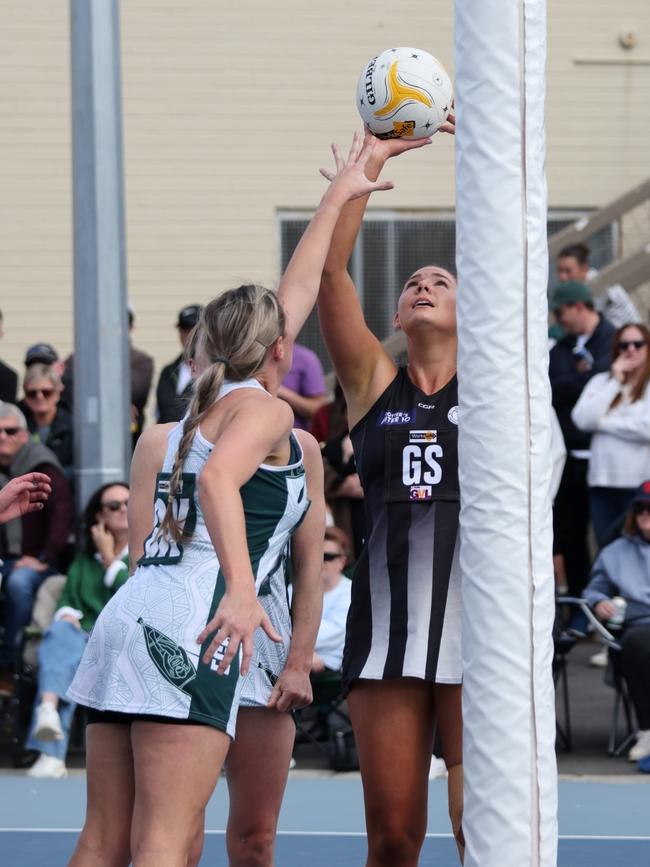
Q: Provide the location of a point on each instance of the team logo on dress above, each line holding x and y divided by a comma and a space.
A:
420, 492
423, 436
397, 417
170, 659
452, 415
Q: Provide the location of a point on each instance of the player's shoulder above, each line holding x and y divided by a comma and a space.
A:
307, 441
153, 440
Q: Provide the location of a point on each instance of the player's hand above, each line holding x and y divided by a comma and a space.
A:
292, 691
349, 181
238, 616
24, 494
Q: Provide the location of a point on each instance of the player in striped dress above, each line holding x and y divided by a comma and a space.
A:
402, 662
201, 630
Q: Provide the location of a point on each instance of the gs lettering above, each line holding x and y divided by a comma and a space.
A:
419, 466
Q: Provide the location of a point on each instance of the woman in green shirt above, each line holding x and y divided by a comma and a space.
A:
98, 570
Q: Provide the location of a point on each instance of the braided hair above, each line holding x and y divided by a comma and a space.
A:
236, 332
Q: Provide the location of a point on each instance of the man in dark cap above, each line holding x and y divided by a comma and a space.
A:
41, 353
175, 383
584, 351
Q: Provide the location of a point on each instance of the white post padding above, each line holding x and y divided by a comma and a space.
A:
505, 450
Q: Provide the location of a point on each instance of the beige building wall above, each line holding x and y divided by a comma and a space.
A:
229, 110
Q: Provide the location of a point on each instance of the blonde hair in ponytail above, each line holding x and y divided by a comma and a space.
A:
236, 332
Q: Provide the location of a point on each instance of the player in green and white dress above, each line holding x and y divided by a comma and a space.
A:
161, 672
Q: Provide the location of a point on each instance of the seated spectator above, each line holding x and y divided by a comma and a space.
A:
615, 408
32, 545
343, 491
614, 302
303, 387
328, 650
48, 422
623, 569
96, 573
8, 377
141, 370
175, 383
331, 419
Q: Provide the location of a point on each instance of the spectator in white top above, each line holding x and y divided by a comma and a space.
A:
615, 407
614, 303
328, 652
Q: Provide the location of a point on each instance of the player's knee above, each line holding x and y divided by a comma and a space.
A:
252, 847
396, 843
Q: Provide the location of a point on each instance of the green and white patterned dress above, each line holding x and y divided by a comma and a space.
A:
142, 656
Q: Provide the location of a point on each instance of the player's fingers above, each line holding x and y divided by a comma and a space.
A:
212, 627
33, 506
247, 653
338, 159
267, 626
327, 174
383, 185
275, 695
448, 127
213, 646
354, 148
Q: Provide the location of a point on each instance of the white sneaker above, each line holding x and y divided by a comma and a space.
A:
48, 723
438, 768
641, 748
599, 660
48, 766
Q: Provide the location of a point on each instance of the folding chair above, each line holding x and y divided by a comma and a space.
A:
613, 677
330, 730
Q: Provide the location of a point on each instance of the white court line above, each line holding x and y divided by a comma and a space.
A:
633, 838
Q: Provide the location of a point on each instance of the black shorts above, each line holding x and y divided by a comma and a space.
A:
112, 716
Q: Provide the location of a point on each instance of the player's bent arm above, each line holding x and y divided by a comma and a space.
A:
307, 556
147, 462
253, 433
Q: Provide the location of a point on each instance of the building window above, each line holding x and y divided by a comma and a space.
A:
391, 245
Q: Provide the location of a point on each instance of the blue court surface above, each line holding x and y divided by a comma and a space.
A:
602, 824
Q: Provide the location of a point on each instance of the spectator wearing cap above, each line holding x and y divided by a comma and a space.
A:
303, 387
584, 351
31, 546
615, 408
614, 302
47, 421
175, 383
623, 569
8, 377
141, 368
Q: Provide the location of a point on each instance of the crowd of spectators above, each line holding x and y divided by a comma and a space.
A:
599, 373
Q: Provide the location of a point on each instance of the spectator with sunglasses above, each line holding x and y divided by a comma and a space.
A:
328, 650
98, 570
32, 544
623, 569
615, 408
48, 422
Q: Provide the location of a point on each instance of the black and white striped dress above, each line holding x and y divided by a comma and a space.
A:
405, 615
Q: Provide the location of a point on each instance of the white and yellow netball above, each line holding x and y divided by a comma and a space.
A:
404, 93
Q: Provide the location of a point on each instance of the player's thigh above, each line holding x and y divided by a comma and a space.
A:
257, 767
176, 770
449, 721
393, 722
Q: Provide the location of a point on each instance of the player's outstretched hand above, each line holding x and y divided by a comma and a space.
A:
24, 494
349, 181
234, 623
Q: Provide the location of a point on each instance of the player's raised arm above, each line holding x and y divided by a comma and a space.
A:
359, 359
299, 285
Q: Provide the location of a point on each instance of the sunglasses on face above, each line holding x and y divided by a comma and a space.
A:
9, 431
626, 344
34, 392
328, 556
114, 505
642, 509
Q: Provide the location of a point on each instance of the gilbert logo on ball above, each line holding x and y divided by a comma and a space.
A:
404, 92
